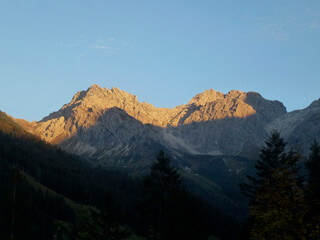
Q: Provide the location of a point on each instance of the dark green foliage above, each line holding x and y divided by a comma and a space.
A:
51, 178
97, 225
170, 212
313, 192
159, 189
276, 195
101, 225
272, 156
67, 175
64, 173
21, 216
87, 226
313, 165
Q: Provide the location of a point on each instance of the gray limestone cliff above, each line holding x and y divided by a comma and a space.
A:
300, 127
103, 122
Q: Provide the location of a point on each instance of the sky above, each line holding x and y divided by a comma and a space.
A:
163, 51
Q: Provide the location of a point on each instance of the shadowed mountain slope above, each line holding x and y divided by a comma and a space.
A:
300, 128
211, 123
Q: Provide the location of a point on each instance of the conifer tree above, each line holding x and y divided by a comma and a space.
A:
276, 194
313, 192
159, 187
169, 210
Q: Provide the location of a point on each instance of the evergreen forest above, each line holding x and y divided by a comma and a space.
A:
46, 193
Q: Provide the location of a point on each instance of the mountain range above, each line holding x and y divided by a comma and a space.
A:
214, 139
104, 122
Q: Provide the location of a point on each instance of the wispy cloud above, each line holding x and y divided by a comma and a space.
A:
313, 24
78, 42
291, 21
106, 48
277, 29
111, 39
110, 45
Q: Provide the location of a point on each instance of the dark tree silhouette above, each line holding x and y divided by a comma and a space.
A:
277, 205
169, 210
45, 203
313, 192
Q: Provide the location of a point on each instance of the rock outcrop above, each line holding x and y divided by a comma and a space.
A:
300, 128
102, 122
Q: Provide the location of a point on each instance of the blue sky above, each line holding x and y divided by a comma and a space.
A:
165, 52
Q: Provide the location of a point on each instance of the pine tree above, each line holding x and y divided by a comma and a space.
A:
276, 194
159, 188
168, 209
313, 192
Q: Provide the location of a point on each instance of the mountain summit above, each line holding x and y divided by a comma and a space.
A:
103, 120
108, 123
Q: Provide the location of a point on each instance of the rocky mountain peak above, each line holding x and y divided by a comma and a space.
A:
94, 90
209, 96
87, 108
212, 105
205, 97
236, 94
106, 123
268, 108
100, 99
315, 104
95, 87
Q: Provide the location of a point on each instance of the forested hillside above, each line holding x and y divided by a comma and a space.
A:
46, 192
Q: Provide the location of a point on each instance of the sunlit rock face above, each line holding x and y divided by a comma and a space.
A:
225, 124
100, 122
86, 107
